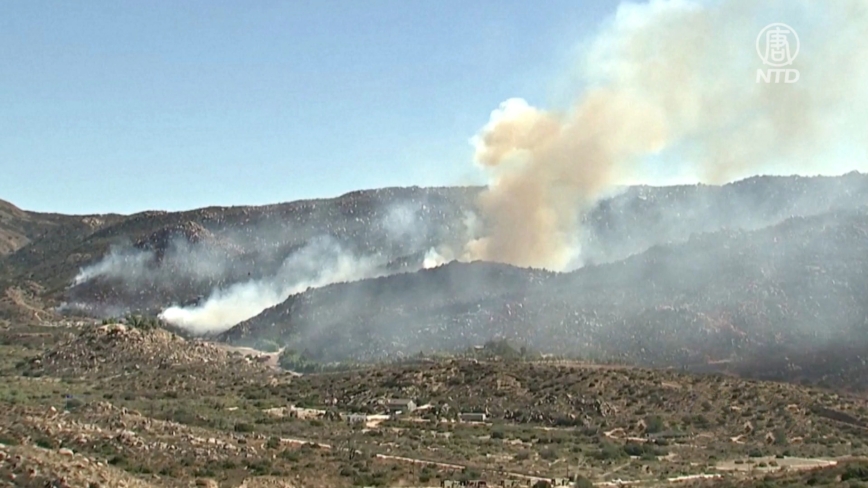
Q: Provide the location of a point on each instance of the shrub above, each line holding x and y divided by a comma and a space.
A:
780, 437
522, 456
609, 451
646, 451
73, 403
549, 454
143, 322
582, 482
654, 424
291, 456
117, 460
855, 472
260, 467
46, 443
8, 440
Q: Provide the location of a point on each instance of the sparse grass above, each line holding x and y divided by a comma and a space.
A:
553, 418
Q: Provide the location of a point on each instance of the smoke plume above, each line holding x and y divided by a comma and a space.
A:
320, 263
134, 267
671, 87
239, 271
437, 257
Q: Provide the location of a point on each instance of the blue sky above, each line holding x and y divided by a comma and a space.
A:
126, 106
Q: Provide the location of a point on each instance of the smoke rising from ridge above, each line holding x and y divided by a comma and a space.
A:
136, 267
672, 81
239, 269
320, 263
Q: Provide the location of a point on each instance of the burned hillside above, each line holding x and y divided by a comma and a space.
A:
730, 297
158, 259
654, 289
643, 216
174, 258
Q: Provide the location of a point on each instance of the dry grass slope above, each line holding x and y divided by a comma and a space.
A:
115, 404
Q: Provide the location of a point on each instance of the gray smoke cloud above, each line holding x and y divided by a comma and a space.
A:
671, 87
118, 263
135, 267
250, 267
320, 263
402, 224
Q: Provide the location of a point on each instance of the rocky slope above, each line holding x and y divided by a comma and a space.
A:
781, 293
118, 349
35, 467
396, 224
163, 258
780, 256
545, 418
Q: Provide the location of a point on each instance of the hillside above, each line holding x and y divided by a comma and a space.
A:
690, 276
733, 296
251, 241
125, 406
762, 278
397, 225
18, 228
114, 349
12, 235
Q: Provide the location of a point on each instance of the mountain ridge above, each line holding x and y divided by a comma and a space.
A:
667, 307
652, 268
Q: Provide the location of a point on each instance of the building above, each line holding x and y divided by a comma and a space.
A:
357, 418
396, 405
472, 417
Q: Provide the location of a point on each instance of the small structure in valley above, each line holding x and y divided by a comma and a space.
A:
472, 417
357, 418
400, 405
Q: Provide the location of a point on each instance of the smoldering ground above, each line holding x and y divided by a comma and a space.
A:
674, 83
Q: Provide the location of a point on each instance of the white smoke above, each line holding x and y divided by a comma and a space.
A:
322, 262
138, 267
255, 249
117, 264
442, 254
673, 82
437, 257
402, 224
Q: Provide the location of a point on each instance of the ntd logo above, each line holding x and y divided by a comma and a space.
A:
777, 45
